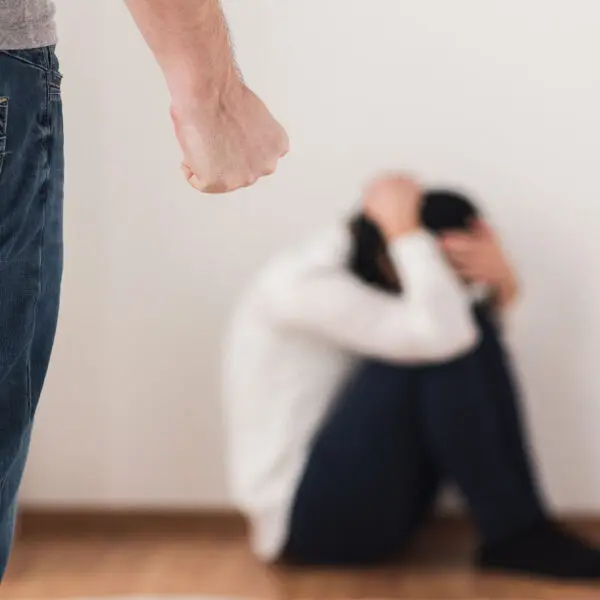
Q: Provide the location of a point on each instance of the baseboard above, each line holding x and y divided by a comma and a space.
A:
86, 521
36, 522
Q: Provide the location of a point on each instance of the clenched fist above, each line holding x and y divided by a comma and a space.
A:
229, 143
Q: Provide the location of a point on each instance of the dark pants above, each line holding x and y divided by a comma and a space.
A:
393, 436
31, 196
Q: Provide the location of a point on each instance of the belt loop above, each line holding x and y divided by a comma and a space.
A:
47, 58
53, 59
50, 58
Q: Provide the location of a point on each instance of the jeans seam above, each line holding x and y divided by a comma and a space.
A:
3, 139
6, 473
42, 235
24, 61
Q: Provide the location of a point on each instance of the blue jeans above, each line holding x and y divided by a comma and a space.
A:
393, 436
31, 249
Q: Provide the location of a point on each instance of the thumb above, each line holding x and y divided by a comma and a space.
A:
191, 178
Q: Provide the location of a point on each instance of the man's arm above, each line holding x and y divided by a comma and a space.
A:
190, 41
228, 137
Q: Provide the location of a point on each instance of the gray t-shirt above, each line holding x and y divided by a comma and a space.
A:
26, 24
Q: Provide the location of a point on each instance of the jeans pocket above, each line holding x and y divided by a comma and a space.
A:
54, 86
54, 75
3, 128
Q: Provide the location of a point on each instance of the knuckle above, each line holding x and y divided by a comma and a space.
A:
269, 169
194, 182
212, 186
284, 146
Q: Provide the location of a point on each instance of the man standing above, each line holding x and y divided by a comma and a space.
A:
228, 138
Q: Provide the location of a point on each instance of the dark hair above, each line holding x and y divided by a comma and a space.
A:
442, 210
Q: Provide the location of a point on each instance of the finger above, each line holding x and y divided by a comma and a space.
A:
477, 271
458, 260
457, 237
461, 266
217, 187
285, 146
224, 187
468, 269
470, 274
195, 182
454, 233
212, 188
187, 172
269, 169
470, 263
459, 245
251, 181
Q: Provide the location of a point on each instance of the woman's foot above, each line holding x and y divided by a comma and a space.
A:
544, 550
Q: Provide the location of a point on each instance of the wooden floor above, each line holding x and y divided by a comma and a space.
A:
193, 555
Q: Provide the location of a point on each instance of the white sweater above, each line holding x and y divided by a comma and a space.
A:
294, 338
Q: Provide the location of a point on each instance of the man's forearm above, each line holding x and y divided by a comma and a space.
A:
191, 43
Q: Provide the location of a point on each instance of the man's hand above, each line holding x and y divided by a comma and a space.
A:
478, 256
393, 202
228, 137
228, 144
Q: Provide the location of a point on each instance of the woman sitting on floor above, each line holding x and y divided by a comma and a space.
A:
367, 368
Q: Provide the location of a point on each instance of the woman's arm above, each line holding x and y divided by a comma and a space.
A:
506, 291
429, 322
478, 256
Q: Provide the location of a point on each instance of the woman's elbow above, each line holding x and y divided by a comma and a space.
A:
467, 338
448, 340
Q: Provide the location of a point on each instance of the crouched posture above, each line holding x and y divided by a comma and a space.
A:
365, 369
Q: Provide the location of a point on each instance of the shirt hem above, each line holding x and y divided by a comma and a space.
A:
40, 37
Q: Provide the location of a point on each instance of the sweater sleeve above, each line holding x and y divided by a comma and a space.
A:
429, 322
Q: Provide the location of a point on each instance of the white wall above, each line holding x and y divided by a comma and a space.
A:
501, 97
